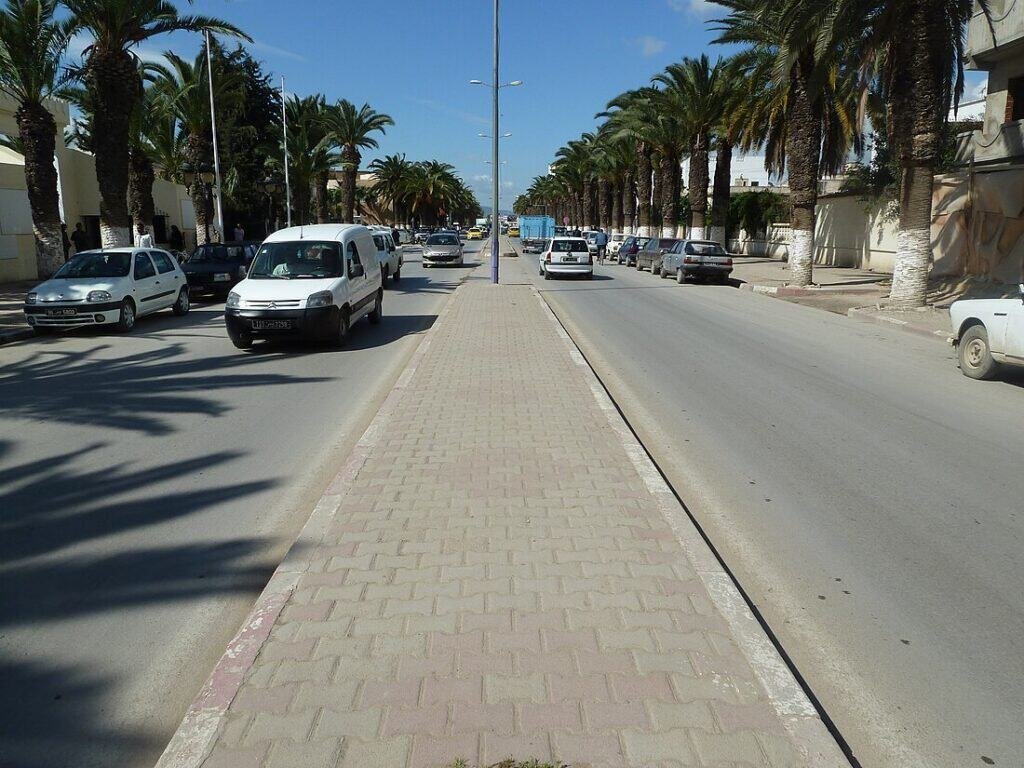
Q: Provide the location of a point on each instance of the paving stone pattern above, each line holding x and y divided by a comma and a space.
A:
498, 582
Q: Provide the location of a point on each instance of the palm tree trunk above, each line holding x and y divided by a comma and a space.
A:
616, 210
38, 131
920, 98
195, 151
720, 192
803, 149
141, 176
698, 185
350, 164
628, 204
668, 169
656, 193
603, 199
115, 88
320, 198
643, 189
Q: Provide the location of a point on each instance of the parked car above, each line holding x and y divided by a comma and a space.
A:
388, 254
649, 257
313, 281
215, 267
590, 235
475, 233
566, 256
630, 247
697, 259
988, 334
615, 241
115, 286
442, 248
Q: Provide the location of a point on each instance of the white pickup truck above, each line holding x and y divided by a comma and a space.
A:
988, 333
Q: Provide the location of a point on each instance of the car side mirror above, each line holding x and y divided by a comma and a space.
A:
355, 270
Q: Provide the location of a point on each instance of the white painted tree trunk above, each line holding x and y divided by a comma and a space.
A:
697, 233
681, 232
801, 256
668, 231
717, 234
644, 231
115, 237
910, 271
49, 249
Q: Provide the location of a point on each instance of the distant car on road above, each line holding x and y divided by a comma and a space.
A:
615, 242
312, 281
566, 256
698, 260
215, 267
988, 333
649, 257
115, 286
475, 233
630, 247
442, 248
513, 231
421, 236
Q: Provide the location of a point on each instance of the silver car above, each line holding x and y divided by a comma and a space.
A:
442, 248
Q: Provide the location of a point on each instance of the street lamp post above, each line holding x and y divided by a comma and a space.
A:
495, 86
218, 202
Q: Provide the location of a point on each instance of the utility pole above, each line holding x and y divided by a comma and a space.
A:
495, 226
287, 183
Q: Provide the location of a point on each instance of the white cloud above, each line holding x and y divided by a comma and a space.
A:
508, 184
650, 46
701, 8
273, 50
482, 177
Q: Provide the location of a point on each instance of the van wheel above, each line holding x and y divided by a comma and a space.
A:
127, 319
378, 308
344, 326
383, 275
975, 355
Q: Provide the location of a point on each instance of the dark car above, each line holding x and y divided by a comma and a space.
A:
630, 247
215, 267
649, 257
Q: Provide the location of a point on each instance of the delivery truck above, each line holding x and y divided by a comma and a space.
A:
534, 231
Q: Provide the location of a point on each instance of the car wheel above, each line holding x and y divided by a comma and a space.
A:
975, 355
183, 304
663, 273
241, 340
344, 325
384, 275
127, 320
398, 274
680, 276
378, 309
638, 267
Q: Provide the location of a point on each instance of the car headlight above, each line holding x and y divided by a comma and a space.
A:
30, 297
98, 296
322, 299
234, 300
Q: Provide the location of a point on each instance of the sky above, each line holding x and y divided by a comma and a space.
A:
413, 59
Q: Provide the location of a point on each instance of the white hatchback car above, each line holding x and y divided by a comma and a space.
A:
114, 286
566, 256
987, 333
388, 254
615, 242
313, 281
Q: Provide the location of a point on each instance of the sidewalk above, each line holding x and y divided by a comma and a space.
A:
12, 318
500, 571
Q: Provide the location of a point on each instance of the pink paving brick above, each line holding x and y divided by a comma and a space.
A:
446, 690
437, 751
641, 687
543, 717
629, 714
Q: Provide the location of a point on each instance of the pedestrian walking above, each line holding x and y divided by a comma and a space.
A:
65, 242
80, 239
239, 233
176, 240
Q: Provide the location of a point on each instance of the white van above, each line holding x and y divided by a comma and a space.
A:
313, 281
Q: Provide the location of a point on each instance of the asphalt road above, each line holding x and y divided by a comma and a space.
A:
866, 495
149, 484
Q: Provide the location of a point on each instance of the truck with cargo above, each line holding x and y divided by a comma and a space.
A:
534, 231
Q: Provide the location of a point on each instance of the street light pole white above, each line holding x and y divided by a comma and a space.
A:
216, 154
495, 227
287, 182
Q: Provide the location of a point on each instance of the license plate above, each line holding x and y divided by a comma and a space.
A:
222, 277
61, 312
271, 325
568, 258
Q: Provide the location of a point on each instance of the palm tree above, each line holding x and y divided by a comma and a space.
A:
351, 129
311, 153
731, 124
181, 90
392, 177
111, 75
32, 44
631, 114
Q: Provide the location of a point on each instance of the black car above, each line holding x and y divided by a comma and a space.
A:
649, 257
216, 267
630, 247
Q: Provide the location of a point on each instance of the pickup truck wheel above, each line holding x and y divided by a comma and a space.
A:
638, 267
680, 276
377, 313
975, 355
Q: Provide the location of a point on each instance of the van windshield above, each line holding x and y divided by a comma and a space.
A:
305, 259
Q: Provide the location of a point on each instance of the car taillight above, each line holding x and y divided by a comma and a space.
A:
547, 256
728, 262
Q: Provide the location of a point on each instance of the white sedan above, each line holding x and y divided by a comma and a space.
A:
988, 333
115, 286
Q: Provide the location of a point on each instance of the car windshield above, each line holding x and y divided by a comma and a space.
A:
569, 246
705, 249
442, 240
96, 264
209, 254
305, 259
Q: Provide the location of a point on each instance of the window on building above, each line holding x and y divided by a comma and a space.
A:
1015, 99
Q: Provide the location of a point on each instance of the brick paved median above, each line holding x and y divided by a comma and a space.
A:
497, 580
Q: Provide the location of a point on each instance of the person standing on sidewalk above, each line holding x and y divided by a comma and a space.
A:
80, 238
65, 242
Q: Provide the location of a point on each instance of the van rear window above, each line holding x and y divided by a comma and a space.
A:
569, 246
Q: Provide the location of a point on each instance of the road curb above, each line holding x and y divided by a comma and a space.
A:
866, 314
790, 290
196, 736
802, 722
